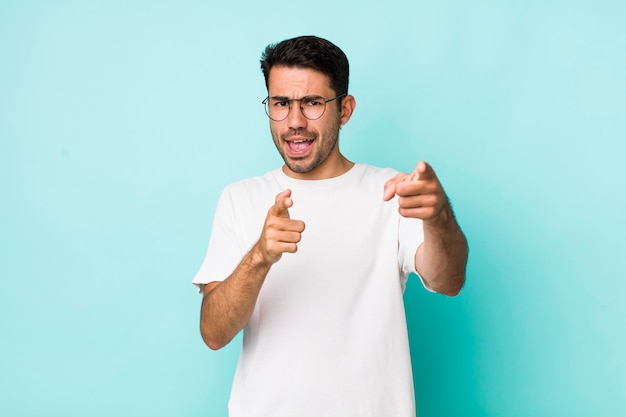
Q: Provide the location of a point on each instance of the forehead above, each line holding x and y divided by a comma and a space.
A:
297, 82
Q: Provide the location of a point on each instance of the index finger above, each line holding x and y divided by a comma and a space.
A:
423, 171
282, 203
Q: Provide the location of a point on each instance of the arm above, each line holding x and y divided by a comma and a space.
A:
228, 305
442, 258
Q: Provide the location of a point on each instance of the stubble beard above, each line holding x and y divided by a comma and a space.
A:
299, 165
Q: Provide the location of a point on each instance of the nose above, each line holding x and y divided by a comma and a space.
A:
295, 119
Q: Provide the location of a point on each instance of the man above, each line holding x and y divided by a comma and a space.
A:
311, 259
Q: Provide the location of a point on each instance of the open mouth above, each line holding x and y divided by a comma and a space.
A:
299, 147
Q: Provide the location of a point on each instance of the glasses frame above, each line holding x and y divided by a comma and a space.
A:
325, 100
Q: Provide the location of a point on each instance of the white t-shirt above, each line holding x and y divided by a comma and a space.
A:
328, 334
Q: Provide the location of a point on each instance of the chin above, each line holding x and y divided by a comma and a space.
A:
299, 169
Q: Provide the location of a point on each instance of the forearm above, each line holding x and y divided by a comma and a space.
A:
228, 306
442, 258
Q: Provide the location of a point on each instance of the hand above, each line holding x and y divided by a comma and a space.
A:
280, 233
420, 194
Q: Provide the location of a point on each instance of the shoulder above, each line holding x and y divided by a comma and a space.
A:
377, 171
374, 174
251, 191
261, 183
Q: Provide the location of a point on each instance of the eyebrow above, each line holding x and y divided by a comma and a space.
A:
309, 96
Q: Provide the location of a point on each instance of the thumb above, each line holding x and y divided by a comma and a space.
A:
282, 203
390, 187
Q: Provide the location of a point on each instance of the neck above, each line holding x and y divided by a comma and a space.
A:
329, 169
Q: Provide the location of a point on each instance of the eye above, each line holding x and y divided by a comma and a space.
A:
280, 103
313, 102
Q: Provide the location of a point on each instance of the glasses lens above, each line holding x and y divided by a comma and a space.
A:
313, 107
277, 109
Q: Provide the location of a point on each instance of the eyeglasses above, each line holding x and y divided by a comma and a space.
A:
312, 107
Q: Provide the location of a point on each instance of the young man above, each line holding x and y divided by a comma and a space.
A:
311, 259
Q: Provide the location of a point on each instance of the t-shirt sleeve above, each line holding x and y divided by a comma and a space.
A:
224, 252
411, 236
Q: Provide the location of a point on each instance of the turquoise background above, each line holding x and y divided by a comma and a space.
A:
121, 121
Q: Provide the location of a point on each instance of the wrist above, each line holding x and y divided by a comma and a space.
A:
443, 219
258, 258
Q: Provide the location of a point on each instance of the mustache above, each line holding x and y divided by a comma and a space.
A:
299, 133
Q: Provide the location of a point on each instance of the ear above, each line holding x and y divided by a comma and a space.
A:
348, 104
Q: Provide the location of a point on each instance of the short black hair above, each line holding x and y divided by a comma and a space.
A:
309, 52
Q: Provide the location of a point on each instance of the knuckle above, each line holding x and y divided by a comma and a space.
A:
270, 231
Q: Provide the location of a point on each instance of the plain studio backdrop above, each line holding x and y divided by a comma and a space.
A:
121, 122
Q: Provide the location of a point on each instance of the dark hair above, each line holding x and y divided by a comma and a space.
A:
309, 52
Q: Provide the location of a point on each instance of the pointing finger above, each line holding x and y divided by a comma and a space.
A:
282, 203
424, 171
